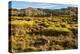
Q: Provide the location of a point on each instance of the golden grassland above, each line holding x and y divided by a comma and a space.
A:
29, 34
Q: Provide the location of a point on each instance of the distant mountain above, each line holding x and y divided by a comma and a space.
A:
39, 12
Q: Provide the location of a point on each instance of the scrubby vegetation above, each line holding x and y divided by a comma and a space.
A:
35, 29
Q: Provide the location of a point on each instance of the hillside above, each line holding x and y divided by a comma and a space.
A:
38, 29
39, 12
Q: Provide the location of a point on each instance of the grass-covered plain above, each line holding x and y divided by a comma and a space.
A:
42, 33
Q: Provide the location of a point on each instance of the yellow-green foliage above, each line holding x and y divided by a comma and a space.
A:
42, 33
22, 23
59, 29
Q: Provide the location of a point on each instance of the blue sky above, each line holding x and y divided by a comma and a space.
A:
22, 4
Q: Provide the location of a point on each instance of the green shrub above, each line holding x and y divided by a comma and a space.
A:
52, 31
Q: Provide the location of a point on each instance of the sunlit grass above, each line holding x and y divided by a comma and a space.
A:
40, 34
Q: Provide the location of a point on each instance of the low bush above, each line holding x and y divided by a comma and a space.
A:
55, 31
